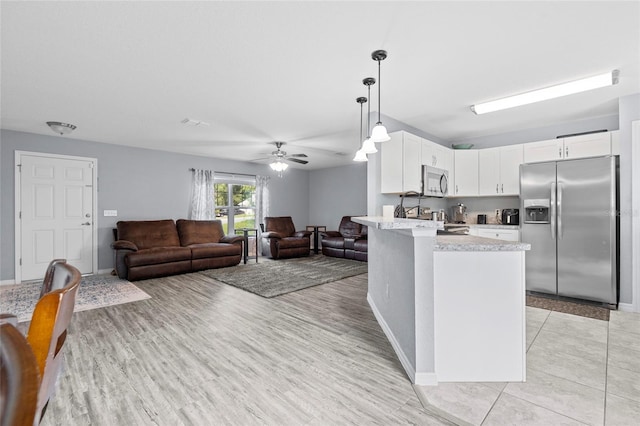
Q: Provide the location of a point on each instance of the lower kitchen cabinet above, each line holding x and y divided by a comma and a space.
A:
498, 234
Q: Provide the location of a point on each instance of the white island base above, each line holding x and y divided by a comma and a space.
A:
453, 307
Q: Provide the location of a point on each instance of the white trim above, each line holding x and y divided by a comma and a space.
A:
422, 379
7, 282
18, 203
626, 307
635, 220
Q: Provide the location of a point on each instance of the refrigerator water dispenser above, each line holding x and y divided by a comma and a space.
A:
536, 211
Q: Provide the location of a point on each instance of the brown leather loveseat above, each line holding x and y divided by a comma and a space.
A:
349, 242
156, 248
281, 239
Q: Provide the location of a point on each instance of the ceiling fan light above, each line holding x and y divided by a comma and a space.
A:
279, 166
360, 156
379, 133
368, 147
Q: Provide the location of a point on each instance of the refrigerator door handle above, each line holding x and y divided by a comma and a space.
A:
559, 210
553, 211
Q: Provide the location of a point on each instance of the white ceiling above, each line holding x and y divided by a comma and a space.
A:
129, 72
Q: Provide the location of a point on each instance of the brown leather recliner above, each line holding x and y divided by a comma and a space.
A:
281, 240
349, 242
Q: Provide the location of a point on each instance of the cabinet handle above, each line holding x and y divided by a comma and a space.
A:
559, 152
566, 152
497, 192
456, 189
502, 187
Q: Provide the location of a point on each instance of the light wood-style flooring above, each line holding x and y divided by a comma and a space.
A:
205, 353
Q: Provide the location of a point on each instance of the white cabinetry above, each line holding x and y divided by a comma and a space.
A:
466, 172
499, 170
401, 168
498, 234
436, 155
591, 145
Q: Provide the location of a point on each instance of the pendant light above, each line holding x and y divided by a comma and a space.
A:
368, 147
379, 133
360, 155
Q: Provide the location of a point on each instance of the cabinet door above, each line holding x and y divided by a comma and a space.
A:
412, 164
543, 151
489, 171
391, 164
510, 159
592, 145
500, 234
429, 155
444, 158
466, 172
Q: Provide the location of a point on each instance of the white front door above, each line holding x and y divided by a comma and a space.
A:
56, 213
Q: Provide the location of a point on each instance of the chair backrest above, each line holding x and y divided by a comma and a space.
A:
199, 231
282, 225
147, 234
19, 379
53, 281
349, 228
48, 329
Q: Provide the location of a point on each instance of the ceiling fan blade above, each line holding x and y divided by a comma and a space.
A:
295, 160
298, 155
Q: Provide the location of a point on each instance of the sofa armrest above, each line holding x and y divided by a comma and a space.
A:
271, 234
232, 239
330, 234
124, 245
302, 234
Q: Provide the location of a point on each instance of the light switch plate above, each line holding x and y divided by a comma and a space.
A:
111, 212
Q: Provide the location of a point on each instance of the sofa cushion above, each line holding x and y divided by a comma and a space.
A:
147, 234
348, 228
201, 251
333, 242
360, 245
283, 225
157, 255
199, 231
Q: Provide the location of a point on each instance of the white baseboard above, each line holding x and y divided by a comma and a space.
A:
627, 307
423, 379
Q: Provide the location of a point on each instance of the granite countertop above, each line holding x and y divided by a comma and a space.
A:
380, 222
482, 226
473, 243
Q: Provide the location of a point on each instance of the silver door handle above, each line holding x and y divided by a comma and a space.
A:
497, 192
553, 211
566, 152
559, 152
502, 187
559, 210
456, 189
86, 224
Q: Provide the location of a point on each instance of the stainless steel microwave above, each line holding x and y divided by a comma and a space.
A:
435, 182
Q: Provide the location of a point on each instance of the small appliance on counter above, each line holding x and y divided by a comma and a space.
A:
511, 217
482, 219
458, 213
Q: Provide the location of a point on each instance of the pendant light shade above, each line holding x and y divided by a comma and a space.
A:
360, 155
368, 147
379, 133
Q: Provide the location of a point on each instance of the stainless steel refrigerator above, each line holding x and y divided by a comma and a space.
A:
571, 221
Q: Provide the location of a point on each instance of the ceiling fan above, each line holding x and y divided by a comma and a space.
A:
278, 154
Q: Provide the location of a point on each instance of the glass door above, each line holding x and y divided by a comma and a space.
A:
235, 207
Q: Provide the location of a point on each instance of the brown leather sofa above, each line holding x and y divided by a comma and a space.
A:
349, 242
156, 248
281, 240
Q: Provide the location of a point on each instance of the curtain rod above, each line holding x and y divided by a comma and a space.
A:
226, 173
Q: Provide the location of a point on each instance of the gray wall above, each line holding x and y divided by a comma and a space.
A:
337, 192
139, 183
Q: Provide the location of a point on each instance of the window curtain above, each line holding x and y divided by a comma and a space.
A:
202, 196
262, 204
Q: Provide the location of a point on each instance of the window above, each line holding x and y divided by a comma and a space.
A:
235, 200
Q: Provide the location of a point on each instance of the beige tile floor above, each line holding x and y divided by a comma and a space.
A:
579, 371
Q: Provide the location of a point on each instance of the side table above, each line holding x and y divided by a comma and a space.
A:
245, 233
316, 234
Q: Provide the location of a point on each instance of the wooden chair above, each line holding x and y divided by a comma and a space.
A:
19, 379
48, 329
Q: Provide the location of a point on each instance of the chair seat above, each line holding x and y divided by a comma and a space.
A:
158, 255
293, 242
201, 251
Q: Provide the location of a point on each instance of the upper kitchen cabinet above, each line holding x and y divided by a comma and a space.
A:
436, 155
499, 170
400, 159
466, 173
590, 145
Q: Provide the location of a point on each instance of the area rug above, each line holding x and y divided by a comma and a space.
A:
96, 291
277, 277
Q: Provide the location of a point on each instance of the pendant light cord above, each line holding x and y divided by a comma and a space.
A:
360, 141
379, 91
368, 111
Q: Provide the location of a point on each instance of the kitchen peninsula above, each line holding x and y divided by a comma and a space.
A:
453, 307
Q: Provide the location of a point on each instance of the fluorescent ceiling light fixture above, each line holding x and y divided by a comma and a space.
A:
595, 82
